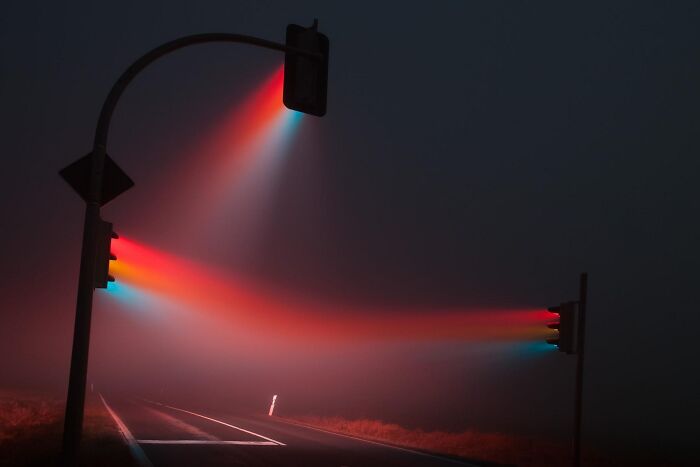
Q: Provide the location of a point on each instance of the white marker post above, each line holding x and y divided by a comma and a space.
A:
272, 406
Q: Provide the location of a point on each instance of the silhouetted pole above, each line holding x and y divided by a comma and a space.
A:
581, 338
75, 401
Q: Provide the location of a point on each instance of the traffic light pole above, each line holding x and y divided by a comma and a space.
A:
581, 339
75, 401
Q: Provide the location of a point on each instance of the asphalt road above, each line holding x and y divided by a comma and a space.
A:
162, 435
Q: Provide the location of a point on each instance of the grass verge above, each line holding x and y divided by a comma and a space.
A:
487, 449
481, 448
31, 427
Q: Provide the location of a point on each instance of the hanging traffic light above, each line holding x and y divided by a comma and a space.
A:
566, 326
104, 254
305, 77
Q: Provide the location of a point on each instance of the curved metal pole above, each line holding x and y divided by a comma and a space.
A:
164, 49
104, 120
75, 400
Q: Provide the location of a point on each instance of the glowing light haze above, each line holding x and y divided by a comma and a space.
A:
233, 169
206, 316
244, 156
155, 275
457, 185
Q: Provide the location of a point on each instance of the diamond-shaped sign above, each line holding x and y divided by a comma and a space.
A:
114, 183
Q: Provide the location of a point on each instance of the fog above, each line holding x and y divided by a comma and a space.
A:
390, 260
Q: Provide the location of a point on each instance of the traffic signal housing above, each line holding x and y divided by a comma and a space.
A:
566, 327
104, 255
305, 77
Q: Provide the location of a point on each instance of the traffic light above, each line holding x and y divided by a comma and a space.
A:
306, 78
566, 327
104, 255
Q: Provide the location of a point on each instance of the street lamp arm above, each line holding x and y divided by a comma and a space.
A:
120, 85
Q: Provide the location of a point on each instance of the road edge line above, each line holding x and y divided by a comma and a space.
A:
205, 442
136, 451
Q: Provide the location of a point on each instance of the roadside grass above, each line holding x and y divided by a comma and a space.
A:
31, 427
487, 449
481, 448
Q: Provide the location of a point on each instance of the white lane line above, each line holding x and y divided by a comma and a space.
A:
191, 430
420, 453
135, 449
205, 441
219, 421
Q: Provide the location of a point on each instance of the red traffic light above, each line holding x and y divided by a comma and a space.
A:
566, 326
103, 254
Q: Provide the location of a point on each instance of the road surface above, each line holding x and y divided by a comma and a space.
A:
162, 435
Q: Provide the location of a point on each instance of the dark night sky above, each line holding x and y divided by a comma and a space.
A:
473, 154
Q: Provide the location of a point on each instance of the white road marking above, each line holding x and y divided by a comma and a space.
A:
420, 453
192, 431
219, 421
205, 441
135, 449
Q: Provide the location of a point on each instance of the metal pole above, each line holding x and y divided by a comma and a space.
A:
75, 401
72, 427
581, 340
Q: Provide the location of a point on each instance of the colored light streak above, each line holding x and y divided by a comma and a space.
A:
254, 165
246, 306
528, 348
257, 126
249, 197
262, 117
237, 163
140, 301
255, 113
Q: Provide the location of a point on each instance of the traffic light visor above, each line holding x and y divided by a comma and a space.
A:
306, 78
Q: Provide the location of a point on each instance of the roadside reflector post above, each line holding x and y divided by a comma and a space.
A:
272, 406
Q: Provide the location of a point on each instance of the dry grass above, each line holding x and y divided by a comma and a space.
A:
487, 448
31, 428
21, 414
483, 448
